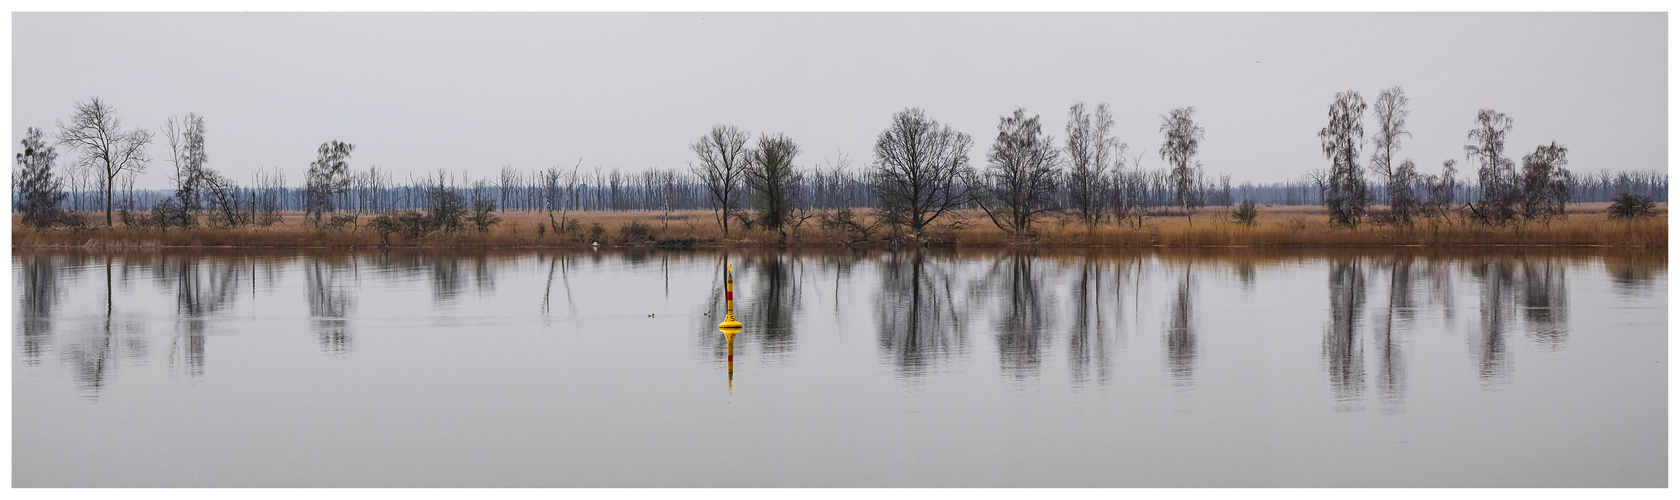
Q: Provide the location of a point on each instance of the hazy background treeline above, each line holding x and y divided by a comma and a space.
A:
376, 189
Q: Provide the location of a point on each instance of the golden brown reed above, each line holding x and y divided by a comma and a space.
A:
1277, 227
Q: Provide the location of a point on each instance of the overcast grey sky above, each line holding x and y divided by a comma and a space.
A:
420, 92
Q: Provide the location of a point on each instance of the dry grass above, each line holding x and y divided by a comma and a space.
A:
1301, 226
1277, 227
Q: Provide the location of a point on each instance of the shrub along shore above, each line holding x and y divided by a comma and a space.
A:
1586, 225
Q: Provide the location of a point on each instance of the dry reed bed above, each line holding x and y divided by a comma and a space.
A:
1277, 227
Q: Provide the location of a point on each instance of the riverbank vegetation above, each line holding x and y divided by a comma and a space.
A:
1586, 225
918, 189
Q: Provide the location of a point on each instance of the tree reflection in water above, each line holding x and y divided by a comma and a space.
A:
919, 323
842, 263
330, 301
484, 276
563, 264
446, 279
773, 303
1343, 351
1546, 301
1391, 363
203, 287
1088, 341
1438, 273
1181, 335
1632, 274
1532, 288
1487, 342
96, 353
711, 312
1538, 287
1243, 265
40, 281
1026, 319
920, 305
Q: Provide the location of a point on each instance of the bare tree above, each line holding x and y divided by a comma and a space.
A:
1183, 138
1495, 173
96, 131
39, 190
1403, 201
566, 197
482, 211
921, 169
665, 181
186, 153
839, 186
723, 162
1090, 150
270, 187
1225, 190
1021, 174
1344, 189
329, 175
223, 197
1129, 191
1390, 112
775, 184
509, 187
615, 189
1441, 190
1545, 183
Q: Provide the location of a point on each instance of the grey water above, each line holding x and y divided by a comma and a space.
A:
1496, 367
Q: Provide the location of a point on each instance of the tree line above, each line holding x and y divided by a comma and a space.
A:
920, 171
1502, 192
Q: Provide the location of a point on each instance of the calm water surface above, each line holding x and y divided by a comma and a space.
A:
971, 368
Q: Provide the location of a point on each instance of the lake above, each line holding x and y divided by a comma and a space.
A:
1511, 367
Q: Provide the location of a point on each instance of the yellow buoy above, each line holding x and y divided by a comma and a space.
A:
730, 326
729, 299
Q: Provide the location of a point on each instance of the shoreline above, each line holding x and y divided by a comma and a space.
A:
815, 246
1277, 228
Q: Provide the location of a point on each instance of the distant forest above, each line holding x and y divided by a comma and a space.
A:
616, 190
